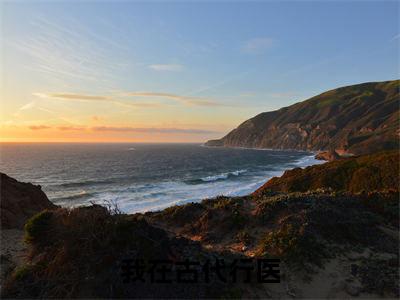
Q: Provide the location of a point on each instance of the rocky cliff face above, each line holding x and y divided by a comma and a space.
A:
357, 119
20, 201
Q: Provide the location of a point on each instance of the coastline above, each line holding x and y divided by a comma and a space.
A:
244, 191
262, 149
316, 153
318, 233
210, 187
189, 174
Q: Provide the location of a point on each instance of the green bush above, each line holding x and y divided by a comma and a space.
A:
36, 226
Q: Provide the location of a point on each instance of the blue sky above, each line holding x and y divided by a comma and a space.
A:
201, 66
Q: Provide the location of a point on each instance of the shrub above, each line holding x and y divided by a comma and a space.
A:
294, 245
36, 226
243, 237
179, 214
22, 272
237, 218
375, 172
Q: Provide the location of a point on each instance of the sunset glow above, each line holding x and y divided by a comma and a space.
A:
137, 72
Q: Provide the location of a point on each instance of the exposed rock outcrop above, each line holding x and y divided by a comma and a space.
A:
358, 119
20, 201
328, 155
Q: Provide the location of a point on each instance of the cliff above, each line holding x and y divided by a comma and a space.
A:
358, 119
20, 201
374, 172
333, 242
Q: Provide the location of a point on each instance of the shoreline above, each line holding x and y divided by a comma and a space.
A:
262, 149
314, 152
241, 189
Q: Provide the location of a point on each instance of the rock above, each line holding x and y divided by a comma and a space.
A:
20, 201
327, 155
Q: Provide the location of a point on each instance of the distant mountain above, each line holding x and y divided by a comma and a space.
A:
357, 119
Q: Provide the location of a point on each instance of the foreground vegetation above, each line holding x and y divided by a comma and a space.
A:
379, 171
78, 252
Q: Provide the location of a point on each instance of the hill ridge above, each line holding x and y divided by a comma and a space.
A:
358, 119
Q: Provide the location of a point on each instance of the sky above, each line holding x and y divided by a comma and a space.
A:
165, 71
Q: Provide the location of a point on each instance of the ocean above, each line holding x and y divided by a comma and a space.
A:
143, 177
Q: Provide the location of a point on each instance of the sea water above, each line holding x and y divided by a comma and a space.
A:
143, 177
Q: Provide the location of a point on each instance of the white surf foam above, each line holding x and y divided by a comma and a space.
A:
157, 196
223, 175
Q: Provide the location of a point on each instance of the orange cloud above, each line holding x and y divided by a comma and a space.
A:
90, 98
187, 100
79, 96
147, 130
66, 128
153, 130
39, 127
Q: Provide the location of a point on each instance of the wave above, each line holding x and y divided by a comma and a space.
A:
138, 196
222, 176
76, 196
85, 183
307, 161
154, 196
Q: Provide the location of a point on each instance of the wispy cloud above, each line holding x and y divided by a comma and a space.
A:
258, 45
47, 110
39, 127
148, 130
72, 97
70, 128
79, 97
90, 98
397, 36
152, 130
195, 101
24, 107
186, 100
53, 52
27, 106
167, 67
